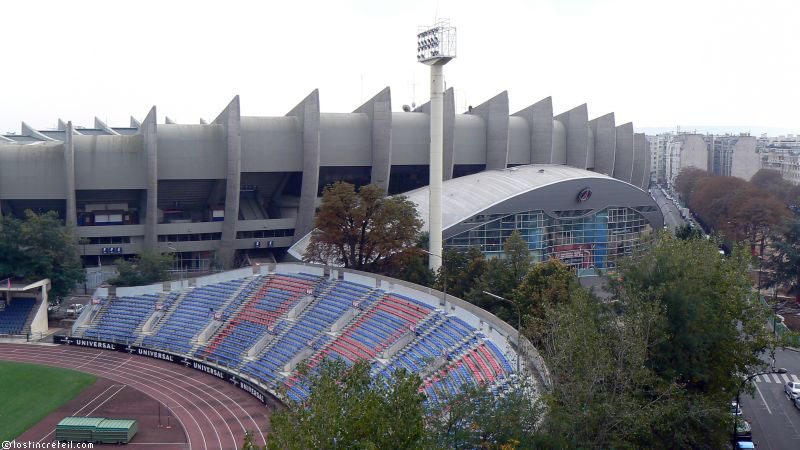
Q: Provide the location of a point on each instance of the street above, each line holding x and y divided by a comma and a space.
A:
672, 217
774, 418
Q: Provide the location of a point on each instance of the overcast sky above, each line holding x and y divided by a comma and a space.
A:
656, 63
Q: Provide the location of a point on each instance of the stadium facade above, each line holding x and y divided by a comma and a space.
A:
249, 185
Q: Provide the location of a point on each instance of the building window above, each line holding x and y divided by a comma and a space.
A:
583, 242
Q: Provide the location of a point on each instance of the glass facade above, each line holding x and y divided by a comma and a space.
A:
581, 240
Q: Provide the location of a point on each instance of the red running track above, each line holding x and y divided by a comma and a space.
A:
214, 414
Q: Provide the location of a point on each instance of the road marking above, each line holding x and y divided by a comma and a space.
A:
796, 380
762, 399
775, 377
766, 378
785, 378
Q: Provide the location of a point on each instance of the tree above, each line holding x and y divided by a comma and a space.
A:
463, 267
476, 418
502, 275
40, 247
687, 180
364, 230
416, 269
347, 408
784, 259
545, 286
147, 268
710, 332
686, 232
772, 182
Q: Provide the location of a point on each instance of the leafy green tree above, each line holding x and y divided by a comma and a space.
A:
713, 330
147, 268
784, 259
687, 232
40, 247
476, 418
364, 229
502, 276
416, 269
603, 394
463, 267
349, 409
546, 285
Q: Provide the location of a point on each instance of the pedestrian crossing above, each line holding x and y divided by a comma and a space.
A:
780, 378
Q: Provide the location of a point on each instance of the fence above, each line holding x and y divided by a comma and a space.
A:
779, 328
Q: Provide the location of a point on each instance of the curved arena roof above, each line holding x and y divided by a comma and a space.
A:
550, 187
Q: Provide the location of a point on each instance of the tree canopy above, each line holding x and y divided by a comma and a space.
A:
784, 259
40, 247
364, 229
736, 209
347, 408
147, 268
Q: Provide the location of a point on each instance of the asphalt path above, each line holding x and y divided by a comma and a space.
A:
672, 217
774, 418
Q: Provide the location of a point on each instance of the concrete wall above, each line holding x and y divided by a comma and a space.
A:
540, 121
470, 139
745, 162
308, 118
623, 153
494, 113
32, 171
694, 152
519, 141
271, 144
111, 162
640, 156
559, 155
605, 143
410, 138
379, 111
576, 122
345, 139
191, 152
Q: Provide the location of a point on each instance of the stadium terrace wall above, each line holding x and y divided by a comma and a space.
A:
242, 382
503, 335
244, 183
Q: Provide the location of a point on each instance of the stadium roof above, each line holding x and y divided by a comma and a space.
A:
471, 194
468, 195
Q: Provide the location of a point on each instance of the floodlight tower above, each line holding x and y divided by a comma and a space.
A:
436, 46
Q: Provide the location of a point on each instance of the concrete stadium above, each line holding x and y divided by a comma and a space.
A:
247, 186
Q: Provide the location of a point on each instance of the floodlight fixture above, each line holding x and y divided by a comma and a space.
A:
436, 44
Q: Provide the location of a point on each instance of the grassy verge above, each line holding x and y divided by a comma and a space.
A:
28, 393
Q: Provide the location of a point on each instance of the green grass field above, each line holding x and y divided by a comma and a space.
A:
29, 392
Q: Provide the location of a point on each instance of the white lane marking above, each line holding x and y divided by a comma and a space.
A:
762, 399
106, 400
775, 377
82, 408
766, 378
795, 379
785, 378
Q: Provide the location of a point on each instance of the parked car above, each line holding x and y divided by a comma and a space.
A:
744, 445
743, 429
796, 401
75, 308
792, 389
736, 410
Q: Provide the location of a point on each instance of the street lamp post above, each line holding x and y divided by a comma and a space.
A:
739, 391
171, 246
519, 321
444, 279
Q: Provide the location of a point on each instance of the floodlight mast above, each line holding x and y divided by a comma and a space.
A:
436, 46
